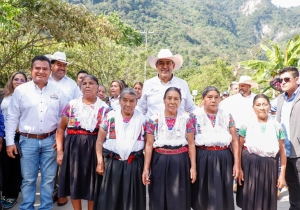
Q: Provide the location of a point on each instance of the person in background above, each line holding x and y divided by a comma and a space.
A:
216, 166
234, 88
1, 141
138, 87
101, 92
288, 114
170, 155
80, 75
81, 119
124, 83
224, 95
262, 139
119, 148
34, 109
154, 89
11, 168
116, 87
29, 78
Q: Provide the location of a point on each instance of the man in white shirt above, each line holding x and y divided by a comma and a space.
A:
240, 105
151, 101
35, 110
58, 76
67, 85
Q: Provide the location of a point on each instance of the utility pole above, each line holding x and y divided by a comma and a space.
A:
146, 44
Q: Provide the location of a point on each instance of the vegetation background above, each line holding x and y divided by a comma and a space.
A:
220, 40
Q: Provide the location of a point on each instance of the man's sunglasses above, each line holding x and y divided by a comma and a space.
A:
286, 79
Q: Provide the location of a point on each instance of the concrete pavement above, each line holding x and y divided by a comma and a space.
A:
283, 202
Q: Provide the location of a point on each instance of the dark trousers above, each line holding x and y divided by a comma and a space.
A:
292, 176
11, 172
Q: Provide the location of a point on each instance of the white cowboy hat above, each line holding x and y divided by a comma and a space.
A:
58, 56
166, 54
248, 80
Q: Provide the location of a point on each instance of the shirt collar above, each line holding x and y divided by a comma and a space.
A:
169, 82
286, 96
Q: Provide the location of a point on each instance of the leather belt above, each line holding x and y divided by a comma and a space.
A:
212, 147
38, 136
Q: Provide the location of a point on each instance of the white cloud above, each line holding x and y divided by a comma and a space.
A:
286, 3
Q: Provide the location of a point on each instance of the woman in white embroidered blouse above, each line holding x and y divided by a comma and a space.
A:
170, 155
76, 152
263, 140
216, 167
120, 157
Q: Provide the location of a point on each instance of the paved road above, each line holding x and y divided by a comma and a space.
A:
283, 202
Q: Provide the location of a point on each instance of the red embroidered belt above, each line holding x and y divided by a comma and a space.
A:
212, 147
38, 136
117, 157
171, 151
74, 132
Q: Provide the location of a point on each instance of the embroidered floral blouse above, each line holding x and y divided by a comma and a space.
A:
74, 123
152, 125
212, 118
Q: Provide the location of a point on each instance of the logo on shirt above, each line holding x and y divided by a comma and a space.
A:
54, 96
152, 90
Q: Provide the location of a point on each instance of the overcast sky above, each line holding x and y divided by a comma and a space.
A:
286, 3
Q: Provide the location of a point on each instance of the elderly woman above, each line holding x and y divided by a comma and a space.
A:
116, 87
76, 154
11, 168
262, 138
170, 155
120, 157
215, 167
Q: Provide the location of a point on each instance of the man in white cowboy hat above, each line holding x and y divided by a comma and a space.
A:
69, 88
58, 76
240, 105
151, 101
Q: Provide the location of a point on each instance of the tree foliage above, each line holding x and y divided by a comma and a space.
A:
55, 23
277, 59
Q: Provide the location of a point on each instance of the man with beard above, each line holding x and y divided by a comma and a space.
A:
240, 105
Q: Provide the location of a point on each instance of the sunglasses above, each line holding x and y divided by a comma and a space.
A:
286, 79
21, 80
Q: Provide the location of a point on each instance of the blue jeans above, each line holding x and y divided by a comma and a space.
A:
37, 155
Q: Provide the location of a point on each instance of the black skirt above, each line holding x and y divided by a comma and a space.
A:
170, 182
213, 188
78, 170
259, 189
121, 186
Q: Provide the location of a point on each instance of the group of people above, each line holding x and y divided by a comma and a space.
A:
109, 148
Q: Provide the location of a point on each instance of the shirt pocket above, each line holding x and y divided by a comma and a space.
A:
53, 107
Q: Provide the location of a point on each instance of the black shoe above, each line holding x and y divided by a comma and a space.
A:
10, 202
3, 200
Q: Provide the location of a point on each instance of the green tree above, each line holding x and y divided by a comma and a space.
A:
54, 23
277, 59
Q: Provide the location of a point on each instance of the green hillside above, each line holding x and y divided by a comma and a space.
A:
202, 30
